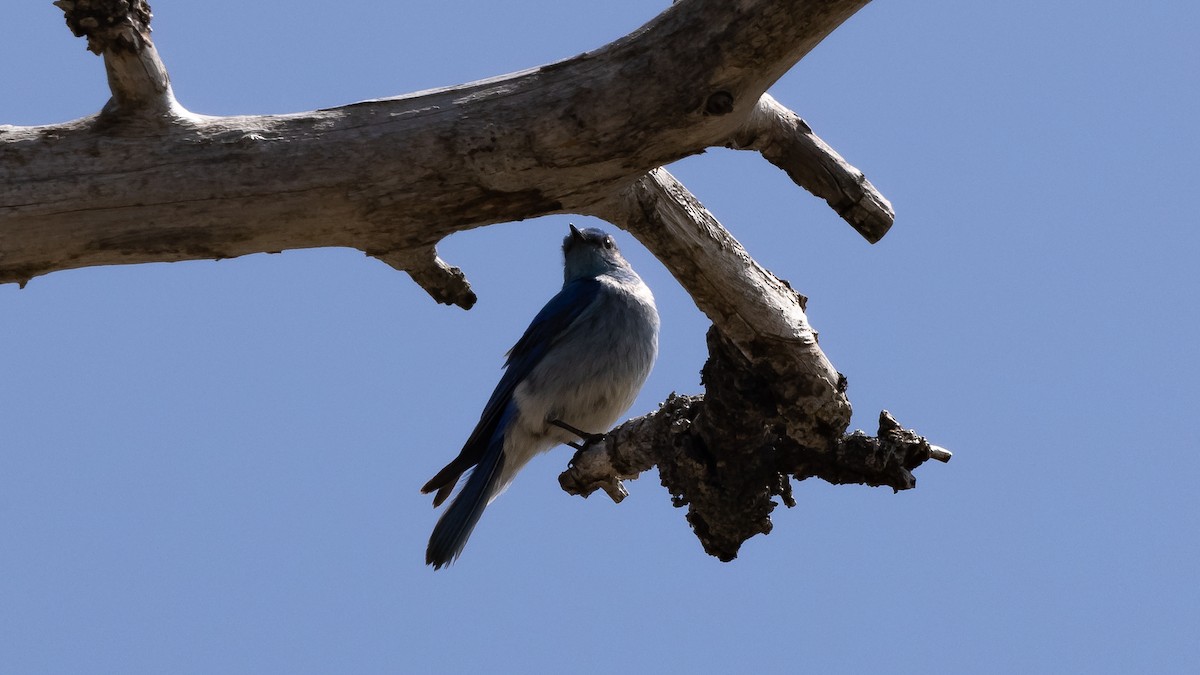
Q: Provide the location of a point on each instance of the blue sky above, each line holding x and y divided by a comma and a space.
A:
214, 466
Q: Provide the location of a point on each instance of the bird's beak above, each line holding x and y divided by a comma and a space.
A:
575, 233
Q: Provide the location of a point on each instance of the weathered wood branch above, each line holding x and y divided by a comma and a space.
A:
448, 285
774, 406
789, 143
119, 30
729, 491
145, 180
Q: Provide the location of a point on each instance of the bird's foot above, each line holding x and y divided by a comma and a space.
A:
588, 439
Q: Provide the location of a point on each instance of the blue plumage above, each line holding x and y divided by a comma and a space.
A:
579, 364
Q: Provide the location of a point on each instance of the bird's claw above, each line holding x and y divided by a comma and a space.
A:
587, 438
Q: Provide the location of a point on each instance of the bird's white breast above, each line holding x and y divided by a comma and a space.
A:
590, 376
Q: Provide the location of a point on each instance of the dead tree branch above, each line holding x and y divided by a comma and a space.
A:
136, 182
773, 406
786, 141
145, 180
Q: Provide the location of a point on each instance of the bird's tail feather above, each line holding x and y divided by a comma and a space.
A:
455, 526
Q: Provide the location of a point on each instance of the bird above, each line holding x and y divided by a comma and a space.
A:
577, 368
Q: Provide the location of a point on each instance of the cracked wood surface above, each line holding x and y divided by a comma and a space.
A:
145, 180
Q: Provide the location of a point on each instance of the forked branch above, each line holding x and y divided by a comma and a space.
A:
390, 176
145, 180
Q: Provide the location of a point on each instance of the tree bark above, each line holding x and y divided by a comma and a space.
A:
392, 177
145, 180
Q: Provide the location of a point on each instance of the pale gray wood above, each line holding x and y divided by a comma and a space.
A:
145, 180
139, 182
789, 143
773, 405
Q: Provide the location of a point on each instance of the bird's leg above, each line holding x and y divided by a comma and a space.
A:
587, 438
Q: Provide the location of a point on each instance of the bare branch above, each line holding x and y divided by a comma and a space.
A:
773, 406
726, 456
753, 308
382, 175
660, 438
120, 31
786, 141
636, 446
392, 177
447, 285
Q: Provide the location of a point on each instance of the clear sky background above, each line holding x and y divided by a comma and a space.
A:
214, 466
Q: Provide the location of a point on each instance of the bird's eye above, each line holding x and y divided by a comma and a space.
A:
608, 242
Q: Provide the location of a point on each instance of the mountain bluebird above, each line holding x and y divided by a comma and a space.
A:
576, 369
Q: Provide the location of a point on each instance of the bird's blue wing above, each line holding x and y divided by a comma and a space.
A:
550, 324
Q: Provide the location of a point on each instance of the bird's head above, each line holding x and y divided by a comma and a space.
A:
589, 253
